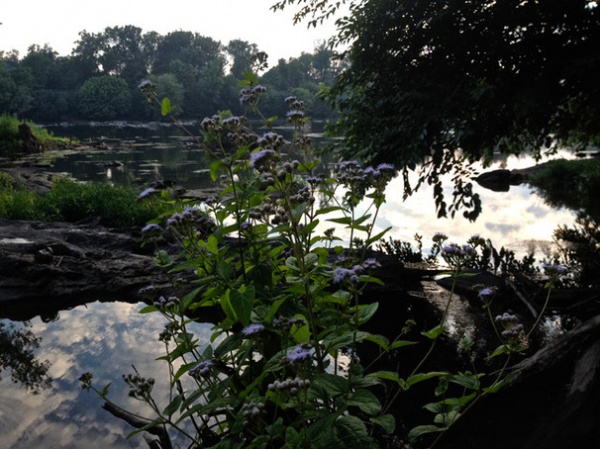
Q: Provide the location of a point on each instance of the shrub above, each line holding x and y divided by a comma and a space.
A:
113, 205
290, 295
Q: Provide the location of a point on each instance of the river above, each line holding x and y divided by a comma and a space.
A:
108, 339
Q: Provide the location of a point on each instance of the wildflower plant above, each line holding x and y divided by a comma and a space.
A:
282, 367
289, 295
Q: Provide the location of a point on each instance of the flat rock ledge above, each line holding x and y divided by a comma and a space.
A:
45, 265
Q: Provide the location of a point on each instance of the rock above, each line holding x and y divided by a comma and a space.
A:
45, 267
552, 402
499, 180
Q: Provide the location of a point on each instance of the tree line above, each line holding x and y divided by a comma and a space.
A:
100, 79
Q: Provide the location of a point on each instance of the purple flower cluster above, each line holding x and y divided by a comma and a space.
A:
191, 219
202, 369
554, 270
147, 192
486, 293
298, 354
457, 250
340, 274
151, 232
250, 96
512, 328
261, 158
270, 140
211, 124
253, 329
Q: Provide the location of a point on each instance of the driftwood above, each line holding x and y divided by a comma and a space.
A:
552, 402
164, 442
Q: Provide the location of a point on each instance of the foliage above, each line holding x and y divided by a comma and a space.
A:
113, 205
581, 249
17, 355
104, 98
451, 81
569, 183
44, 87
11, 139
282, 367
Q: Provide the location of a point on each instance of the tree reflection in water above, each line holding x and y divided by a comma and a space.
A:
17, 346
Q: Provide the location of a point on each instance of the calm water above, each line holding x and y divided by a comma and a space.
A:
107, 338
104, 338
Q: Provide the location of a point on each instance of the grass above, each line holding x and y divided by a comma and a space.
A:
113, 205
11, 142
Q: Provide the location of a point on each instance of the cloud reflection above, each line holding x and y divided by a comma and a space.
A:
517, 219
105, 339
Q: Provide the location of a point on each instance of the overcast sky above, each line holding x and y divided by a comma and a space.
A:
58, 22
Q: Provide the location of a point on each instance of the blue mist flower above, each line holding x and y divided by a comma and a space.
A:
253, 329
149, 191
257, 159
298, 354
202, 368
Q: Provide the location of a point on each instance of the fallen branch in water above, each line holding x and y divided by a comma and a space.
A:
138, 423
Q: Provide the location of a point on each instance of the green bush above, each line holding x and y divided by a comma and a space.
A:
114, 205
9, 133
10, 138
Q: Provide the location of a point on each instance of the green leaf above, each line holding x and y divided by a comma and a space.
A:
366, 401
380, 341
165, 107
365, 313
388, 375
387, 422
401, 343
104, 392
300, 333
242, 301
351, 433
470, 381
330, 384
502, 349
416, 432
173, 406
416, 378
434, 333
157, 422
378, 237
310, 259
327, 210
215, 166
320, 432
342, 220
148, 309
182, 370
251, 77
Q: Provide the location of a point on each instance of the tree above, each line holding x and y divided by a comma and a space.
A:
16, 85
242, 54
167, 86
104, 98
198, 52
428, 80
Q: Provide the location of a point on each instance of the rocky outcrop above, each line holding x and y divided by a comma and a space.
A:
48, 266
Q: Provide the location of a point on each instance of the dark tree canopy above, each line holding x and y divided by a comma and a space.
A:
431, 78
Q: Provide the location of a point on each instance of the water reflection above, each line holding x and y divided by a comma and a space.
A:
104, 338
518, 219
17, 357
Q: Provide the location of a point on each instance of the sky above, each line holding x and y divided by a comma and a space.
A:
58, 23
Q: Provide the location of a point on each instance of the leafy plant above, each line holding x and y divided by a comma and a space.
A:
68, 200
281, 369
